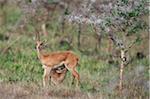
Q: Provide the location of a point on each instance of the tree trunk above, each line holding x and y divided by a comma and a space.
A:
123, 59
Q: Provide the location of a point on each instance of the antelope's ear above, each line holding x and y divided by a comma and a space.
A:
44, 41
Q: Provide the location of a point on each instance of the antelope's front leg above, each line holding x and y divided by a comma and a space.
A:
46, 76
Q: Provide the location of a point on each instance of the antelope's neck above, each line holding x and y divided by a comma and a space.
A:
39, 53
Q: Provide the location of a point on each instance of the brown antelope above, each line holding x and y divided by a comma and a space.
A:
56, 59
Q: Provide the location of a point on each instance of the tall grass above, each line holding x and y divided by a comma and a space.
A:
19, 63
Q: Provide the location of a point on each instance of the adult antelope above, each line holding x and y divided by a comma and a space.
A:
55, 59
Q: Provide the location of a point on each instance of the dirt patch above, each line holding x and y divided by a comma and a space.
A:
18, 91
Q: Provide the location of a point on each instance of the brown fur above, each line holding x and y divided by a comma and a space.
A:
58, 74
55, 59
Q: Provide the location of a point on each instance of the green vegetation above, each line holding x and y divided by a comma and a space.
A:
19, 62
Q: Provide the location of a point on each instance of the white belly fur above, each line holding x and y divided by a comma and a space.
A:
55, 66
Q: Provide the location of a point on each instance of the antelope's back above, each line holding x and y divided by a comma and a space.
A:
54, 58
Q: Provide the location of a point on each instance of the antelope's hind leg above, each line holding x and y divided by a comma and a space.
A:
72, 68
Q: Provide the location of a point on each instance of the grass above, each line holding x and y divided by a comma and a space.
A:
21, 70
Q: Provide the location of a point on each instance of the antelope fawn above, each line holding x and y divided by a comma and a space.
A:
58, 74
56, 59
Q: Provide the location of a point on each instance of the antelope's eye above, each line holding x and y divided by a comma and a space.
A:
41, 44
